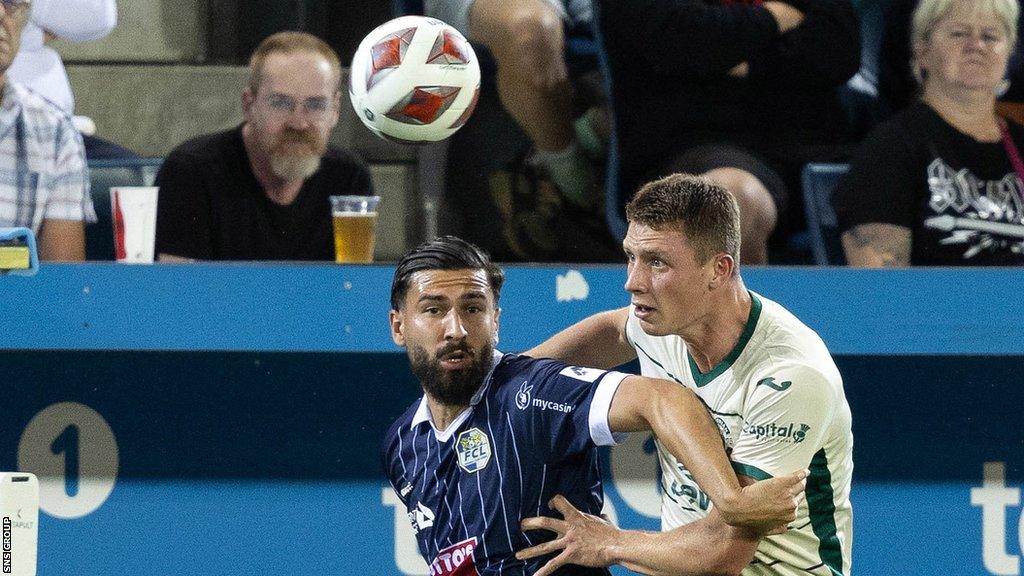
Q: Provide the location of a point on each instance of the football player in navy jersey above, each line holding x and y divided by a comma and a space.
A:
496, 436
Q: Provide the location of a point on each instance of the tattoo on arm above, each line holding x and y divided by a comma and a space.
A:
877, 245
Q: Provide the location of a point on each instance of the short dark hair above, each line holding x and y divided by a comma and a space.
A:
444, 253
705, 212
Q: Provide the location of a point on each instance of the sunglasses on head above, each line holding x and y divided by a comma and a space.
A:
16, 3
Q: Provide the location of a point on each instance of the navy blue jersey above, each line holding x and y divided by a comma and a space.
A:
530, 432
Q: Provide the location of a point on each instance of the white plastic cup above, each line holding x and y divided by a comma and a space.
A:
134, 215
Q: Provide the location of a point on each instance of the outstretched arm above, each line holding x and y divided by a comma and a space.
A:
683, 425
708, 546
598, 341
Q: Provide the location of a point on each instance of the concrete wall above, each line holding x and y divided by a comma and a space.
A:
148, 31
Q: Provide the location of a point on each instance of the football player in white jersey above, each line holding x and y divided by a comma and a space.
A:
767, 379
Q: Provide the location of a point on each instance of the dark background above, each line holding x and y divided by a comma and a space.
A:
237, 26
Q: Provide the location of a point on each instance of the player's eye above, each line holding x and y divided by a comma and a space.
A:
316, 104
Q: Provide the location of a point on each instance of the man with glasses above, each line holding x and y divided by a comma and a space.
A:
260, 191
44, 184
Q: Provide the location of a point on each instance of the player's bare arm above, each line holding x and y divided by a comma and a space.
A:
598, 341
877, 245
682, 424
709, 546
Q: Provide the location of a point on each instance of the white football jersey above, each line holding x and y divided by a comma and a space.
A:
778, 401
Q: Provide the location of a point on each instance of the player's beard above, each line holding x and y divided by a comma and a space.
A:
451, 387
296, 154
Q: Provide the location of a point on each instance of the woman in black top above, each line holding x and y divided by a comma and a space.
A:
937, 184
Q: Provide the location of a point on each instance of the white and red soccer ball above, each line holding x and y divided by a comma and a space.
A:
414, 79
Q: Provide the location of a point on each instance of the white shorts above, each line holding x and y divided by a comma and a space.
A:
456, 12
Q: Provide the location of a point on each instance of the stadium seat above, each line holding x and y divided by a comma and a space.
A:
104, 174
819, 181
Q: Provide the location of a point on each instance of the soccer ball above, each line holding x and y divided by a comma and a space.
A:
414, 80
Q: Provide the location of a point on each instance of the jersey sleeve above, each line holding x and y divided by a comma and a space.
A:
785, 422
563, 410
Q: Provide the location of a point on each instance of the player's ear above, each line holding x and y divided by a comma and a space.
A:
497, 323
248, 98
335, 108
397, 321
723, 268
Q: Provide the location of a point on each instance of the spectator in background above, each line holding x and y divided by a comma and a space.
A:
260, 191
527, 40
44, 183
940, 182
741, 92
897, 85
39, 67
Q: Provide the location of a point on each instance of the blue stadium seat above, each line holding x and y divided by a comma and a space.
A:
104, 174
819, 181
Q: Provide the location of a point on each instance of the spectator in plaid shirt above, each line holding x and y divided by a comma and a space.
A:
44, 182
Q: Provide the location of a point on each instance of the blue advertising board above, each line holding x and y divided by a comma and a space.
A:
225, 419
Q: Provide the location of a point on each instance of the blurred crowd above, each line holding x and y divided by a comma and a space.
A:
919, 104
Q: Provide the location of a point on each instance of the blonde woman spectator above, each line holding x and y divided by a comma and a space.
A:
940, 182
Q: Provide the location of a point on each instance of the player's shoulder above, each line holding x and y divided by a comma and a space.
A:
514, 369
401, 425
518, 374
785, 338
512, 365
788, 349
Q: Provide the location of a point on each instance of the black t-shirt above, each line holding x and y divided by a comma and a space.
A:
211, 207
960, 198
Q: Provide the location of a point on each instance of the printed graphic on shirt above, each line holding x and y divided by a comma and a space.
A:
771, 383
525, 399
783, 433
421, 518
580, 373
682, 489
981, 215
474, 450
455, 560
523, 395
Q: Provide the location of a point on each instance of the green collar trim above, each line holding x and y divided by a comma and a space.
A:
704, 379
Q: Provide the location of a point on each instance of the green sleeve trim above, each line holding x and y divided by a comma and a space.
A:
748, 470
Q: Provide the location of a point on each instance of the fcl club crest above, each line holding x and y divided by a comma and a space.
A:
474, 449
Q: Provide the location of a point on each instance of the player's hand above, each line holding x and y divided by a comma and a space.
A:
584, 539
767, 506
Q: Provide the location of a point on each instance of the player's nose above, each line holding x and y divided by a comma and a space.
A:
454, 328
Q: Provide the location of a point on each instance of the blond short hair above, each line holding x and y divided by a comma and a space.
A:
290, 42
929, 13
